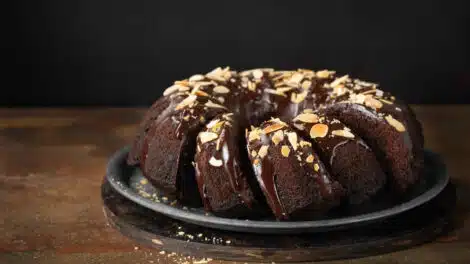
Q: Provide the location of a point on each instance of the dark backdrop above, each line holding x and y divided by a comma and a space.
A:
103, 52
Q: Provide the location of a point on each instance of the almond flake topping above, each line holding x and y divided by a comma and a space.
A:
221, 89
309, 159
172, 89
318, 130
263, 151
339, 80
258, 74
186, 102
212, 123
298, 98
307, 118
304, 143
273, 127
324, 74
278, 136
207, 137
292, 137
215, 162
254, 134
214, 105
343, 133
306, 84
295, 79
372, 102
196, 77
285, 150
316, 167
395, 123
251, 86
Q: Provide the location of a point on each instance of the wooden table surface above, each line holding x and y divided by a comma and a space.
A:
52, 162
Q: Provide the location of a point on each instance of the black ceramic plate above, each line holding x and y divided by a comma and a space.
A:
130, 182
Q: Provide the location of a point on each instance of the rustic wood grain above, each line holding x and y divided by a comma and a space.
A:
52, 162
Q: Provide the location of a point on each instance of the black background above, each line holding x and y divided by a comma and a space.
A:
124, 53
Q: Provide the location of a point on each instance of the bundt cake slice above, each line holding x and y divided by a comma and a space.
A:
387, 127
290, 174
169, 145
350, 161
150, 116
222, 174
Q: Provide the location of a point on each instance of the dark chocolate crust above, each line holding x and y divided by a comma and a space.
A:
266, 148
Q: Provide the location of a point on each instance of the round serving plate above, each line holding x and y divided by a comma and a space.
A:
129, 182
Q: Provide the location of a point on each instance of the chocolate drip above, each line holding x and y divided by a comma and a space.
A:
232, 168
202, 189
264, 171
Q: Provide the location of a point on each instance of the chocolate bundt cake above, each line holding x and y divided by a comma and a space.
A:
289, 142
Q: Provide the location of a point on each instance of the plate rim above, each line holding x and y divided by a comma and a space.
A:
257, 226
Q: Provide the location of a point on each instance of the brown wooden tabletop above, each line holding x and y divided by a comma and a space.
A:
52, 162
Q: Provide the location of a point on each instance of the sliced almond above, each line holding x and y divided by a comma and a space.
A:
306, 84
182, 82
339, 80
339, 90
292, 137
304, 143
186, 102
378, 92
316, 167
324, 74
216, 75
295, 79
253, 153
251, 86
214, 105
309, 159
357, 98
307, 118
278, 136
212, 123
263, 151
196, 77
200, 93
172, 89
258, 74
221, 89
372, 102
318, 130
285, 150
216, 128
254, 134
215, 162
273, 127
221, 99
386, 101
207, 137
298, 98
395, 123
342, 133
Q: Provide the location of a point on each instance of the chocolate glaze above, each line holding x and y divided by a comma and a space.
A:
251, 107
264, 171
231, 166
